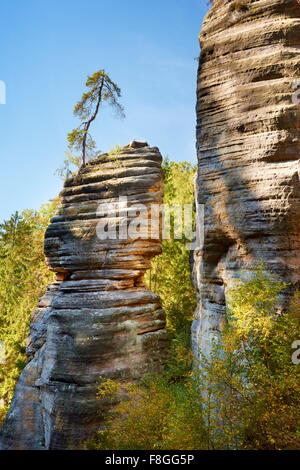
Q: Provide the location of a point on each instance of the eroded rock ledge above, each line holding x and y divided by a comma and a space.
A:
98, 318
248, 149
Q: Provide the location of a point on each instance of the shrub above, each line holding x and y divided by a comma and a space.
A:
250, 386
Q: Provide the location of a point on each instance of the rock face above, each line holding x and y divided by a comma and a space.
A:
98, 319
248, 143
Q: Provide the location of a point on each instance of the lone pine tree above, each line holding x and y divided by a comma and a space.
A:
101, 89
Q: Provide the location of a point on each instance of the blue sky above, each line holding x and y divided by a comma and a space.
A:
47, 49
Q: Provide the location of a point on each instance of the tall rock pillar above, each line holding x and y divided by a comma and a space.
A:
248, 140
98, 319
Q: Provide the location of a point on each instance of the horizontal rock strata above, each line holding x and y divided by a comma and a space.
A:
98, 319
248, 149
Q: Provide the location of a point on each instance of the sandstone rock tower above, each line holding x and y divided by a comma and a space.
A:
248, 140
98, 318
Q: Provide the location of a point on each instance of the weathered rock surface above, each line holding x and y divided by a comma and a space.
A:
248, 149
98, 319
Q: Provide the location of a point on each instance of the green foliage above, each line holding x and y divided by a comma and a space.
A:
23, 277
101, 89
78, 138
170, 272
252, 306
179, 182
114, 154
250, 386
155, 415
71, 162
115, 151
